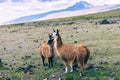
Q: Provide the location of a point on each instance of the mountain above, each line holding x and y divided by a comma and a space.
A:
82, 5
79, 8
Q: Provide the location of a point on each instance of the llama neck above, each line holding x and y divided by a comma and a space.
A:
52, 50
59, 42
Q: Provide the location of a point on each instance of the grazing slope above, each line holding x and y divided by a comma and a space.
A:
20, 58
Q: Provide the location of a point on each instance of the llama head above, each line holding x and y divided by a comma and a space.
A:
55, 34
51, 40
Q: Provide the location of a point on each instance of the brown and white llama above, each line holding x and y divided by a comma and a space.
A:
69, 53
47, 51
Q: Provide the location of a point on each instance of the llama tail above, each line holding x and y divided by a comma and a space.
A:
87, 56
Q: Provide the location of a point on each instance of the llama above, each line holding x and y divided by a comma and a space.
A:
69, 53
47, 51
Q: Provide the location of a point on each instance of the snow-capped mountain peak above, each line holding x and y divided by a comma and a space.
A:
80, 5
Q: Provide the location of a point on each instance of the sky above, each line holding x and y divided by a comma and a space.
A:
12, 9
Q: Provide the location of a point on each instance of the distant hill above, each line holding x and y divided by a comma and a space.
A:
112, 14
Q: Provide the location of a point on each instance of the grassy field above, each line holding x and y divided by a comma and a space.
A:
19, 50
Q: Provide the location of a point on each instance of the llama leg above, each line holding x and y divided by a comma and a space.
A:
81, 64
66, 68
49, 62
52, 62
82, 68
43, 60
71, 69
71, 65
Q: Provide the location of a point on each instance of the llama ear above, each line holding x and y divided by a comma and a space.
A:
48, 34
57, 31
53, 30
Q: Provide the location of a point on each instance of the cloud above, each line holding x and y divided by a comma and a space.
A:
12, 9
46, 0
102, 2
17, 0
1, 0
